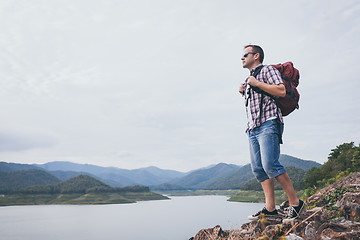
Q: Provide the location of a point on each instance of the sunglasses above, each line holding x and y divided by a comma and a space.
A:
247, 54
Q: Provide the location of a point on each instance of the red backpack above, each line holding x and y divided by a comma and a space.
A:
290, 77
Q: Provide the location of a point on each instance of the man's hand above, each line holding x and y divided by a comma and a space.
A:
273, 89
252, 81
242, 89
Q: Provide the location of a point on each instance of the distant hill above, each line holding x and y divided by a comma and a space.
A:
233, 180
223, 176
8, 167
167, 187
244, 174
116, 176
15, 180
78, 184
287, 160
201, 178
62, 175
297, 176
81, 189
65, 175
162, 175
220, 176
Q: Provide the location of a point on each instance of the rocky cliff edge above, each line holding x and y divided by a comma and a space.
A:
332, 213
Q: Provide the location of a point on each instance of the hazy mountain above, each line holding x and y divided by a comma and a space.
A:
220, 176
78, 184
116, 176
287, 160
65, 175
201, 178
167, 187
14, 180
61, 175
244, 174
81, 189
112, 176
297, 176
233, 180
8, 167
162, 175
224, 176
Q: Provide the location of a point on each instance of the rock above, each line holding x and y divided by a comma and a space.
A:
292, 236
309, 231
338, 231
211, 233
333, 213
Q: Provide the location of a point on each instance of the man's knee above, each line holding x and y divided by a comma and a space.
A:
272, 172
260, 175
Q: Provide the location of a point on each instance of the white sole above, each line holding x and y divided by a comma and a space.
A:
287, 220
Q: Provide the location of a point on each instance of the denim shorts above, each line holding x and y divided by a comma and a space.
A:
264, 144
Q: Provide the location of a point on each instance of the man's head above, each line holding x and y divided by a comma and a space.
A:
253, 56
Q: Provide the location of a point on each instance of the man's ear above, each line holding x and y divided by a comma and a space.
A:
257, 56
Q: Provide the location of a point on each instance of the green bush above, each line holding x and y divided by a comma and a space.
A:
342, 161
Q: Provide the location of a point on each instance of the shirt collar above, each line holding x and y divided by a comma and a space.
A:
253, 70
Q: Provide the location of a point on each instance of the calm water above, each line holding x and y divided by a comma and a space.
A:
177, 219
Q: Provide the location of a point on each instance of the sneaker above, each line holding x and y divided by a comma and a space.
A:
294, 212
263, 212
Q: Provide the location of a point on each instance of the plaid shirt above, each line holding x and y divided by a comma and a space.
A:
270, 110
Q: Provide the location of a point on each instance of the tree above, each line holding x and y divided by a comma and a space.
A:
356, 159
343, 160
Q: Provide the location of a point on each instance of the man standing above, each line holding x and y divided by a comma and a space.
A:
265, 127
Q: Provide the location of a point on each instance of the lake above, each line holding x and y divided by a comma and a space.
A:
177, 219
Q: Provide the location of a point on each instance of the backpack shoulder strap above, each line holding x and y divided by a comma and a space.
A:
258, 90
257, 71
254, 74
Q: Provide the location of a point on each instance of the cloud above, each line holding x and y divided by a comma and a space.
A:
134, 83
20, 142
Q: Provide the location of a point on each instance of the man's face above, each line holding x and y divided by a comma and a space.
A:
248, 59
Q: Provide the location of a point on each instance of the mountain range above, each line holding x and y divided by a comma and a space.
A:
225, 176
82, 189
220, 176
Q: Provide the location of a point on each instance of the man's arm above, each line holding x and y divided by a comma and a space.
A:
273, 89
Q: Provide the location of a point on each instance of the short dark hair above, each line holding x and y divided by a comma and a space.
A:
257, 49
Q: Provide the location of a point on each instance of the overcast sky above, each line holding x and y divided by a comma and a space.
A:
144, 83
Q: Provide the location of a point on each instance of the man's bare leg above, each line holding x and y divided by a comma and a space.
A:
268, 187
286, 184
